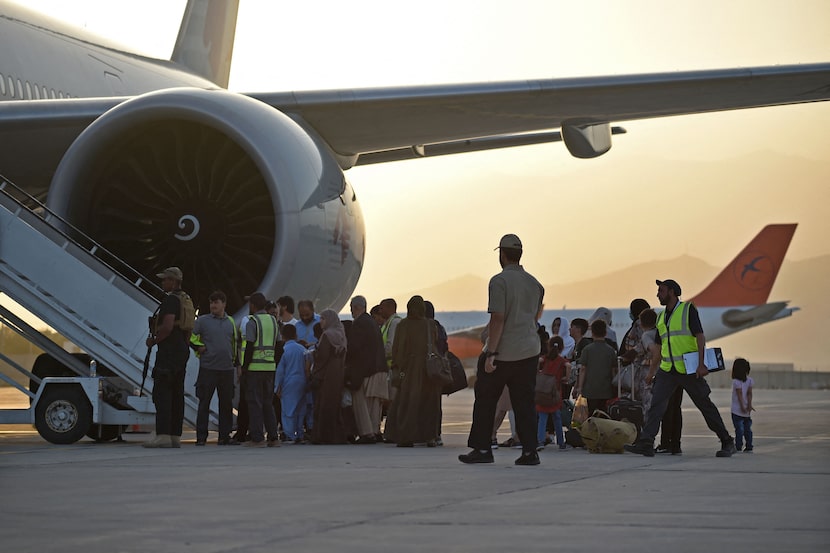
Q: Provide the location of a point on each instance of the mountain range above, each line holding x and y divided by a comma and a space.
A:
792, 340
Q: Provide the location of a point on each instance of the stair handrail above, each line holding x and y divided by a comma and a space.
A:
96, 250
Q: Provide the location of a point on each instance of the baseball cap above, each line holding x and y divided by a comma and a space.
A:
510, 241
671, 284
172, 272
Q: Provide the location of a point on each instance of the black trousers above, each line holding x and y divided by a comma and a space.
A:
221, 382
260, 410
520, 379
168, 397
242, 419
671, 427
664, 387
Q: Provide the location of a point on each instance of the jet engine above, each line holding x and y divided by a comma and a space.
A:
237, 194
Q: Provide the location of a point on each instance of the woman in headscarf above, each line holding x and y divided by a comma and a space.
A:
603, 313
413, 415
327, 380
561, 326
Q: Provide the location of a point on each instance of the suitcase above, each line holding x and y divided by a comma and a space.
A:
625, 409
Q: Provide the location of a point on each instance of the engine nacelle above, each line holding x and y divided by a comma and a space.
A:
231, 190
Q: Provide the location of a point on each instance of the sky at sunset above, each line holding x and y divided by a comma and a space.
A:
433, 220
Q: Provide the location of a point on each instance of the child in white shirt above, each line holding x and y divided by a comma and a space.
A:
742, 404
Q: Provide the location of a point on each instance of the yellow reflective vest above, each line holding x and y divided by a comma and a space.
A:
676, 338
267, 334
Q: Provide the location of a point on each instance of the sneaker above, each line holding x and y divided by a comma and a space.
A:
662, 449
748, 449
727, 449
494, 444
563, 447
640, 449
540, 447
528, 459
475, 456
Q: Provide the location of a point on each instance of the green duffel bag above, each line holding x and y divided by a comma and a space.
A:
602, 434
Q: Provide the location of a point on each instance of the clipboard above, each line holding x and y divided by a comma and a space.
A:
713, 357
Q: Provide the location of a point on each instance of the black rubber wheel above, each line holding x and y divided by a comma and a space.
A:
63, 414
103, 432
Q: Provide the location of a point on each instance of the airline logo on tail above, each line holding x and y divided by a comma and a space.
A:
755, 271
749, 278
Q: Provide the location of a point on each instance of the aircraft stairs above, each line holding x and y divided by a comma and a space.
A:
82, 291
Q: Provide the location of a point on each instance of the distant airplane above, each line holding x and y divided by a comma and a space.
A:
735, 300
162, 166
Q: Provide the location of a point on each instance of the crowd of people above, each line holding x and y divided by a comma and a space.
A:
317, 379
313, 379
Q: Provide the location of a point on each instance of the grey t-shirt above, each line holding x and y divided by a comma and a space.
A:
217, 334
518, 295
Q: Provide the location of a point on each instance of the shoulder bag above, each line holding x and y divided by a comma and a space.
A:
438, 366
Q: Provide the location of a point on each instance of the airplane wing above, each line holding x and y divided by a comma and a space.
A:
372, 120
402, 122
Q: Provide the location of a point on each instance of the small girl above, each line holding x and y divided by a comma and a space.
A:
742, 403
554, 364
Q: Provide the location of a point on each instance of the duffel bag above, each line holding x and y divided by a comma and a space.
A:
601, 434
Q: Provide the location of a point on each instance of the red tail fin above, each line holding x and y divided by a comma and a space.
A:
749, 278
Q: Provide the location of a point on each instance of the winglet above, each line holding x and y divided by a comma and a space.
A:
748, 279
205, 41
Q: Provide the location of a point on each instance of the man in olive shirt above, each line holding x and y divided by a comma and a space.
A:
512, 356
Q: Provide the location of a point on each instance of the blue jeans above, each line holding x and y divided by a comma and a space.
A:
543, 426
743, 429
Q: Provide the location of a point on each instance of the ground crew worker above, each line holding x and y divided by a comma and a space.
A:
679, 331
261, 335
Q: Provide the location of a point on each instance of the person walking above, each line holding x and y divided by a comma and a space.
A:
216, 342
512, 356
679, 331
171, 334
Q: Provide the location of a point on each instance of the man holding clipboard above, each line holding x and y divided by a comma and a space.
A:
679, 332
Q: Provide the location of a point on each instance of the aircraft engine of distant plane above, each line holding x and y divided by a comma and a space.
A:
231, 190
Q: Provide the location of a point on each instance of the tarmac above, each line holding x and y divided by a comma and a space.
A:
119, 497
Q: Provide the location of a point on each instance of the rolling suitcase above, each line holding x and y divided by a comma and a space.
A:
624, 408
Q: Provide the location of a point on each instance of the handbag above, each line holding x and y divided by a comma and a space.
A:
438, 366
459, 375
580, 414
546, 393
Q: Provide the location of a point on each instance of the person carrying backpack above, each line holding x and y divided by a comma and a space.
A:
170, 333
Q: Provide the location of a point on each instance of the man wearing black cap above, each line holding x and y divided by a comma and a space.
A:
679, 332
172, 340
511, 356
